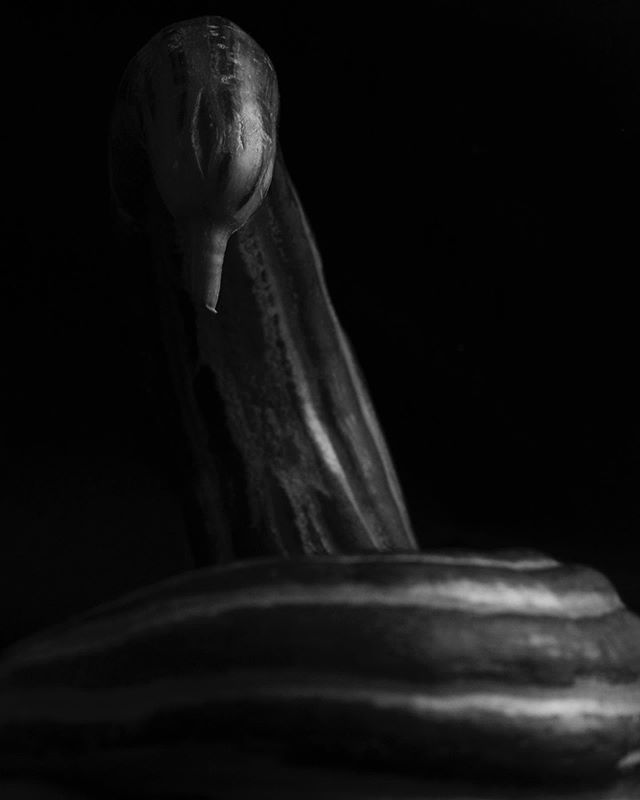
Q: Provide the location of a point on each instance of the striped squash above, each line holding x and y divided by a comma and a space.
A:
355, 648
507, 661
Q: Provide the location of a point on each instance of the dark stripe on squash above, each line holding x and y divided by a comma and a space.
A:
223, 172
486, 726
178, 64
230, 618
423, 646
181, 116
204, 132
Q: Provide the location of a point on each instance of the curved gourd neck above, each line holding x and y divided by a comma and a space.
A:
311, 464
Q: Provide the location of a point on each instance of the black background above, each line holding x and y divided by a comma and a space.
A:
471, 173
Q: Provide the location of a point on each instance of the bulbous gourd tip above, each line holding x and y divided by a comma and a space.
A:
201, 101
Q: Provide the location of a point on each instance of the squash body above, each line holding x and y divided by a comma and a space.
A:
510, 661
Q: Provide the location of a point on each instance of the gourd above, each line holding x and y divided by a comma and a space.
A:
507, 661
341, 641
309, 469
